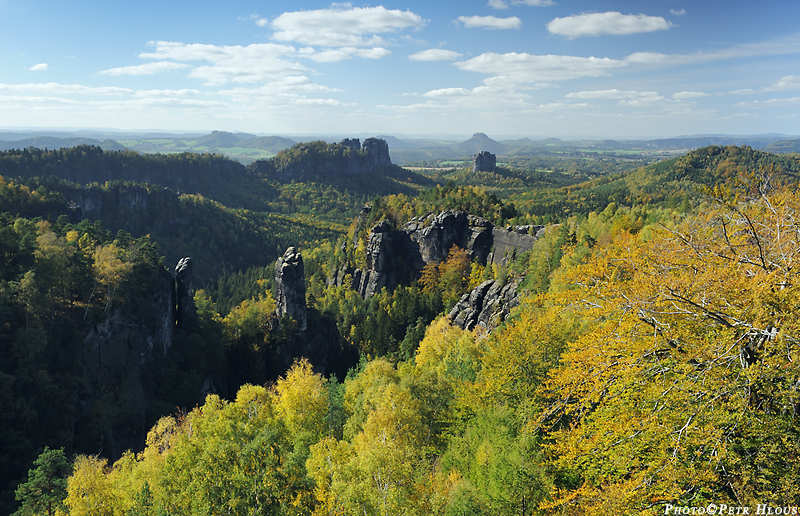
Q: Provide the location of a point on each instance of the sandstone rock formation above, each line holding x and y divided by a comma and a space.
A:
487, 305
395, 256
377, 151
434, 235
484, 162
509, 242
315, 160
184, 279
290, 288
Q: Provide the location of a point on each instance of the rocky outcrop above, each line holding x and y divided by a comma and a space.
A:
118, 352
434, 235
487, 305
320, 160
387, 253
184, 280
379, 248
509, 242
96, 201
377, 151
484, 162
290, 288
395, 256
164, 300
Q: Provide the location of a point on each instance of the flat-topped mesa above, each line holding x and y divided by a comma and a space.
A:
318, 160
290, 288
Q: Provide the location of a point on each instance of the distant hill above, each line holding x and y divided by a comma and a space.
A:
273, 144
783, 147
221, 139
478, 143
52, 142
671, 180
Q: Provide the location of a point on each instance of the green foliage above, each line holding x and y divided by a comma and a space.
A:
654, 362
46, 488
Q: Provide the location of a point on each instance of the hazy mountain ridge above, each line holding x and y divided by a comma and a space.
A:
404, 149
54, 142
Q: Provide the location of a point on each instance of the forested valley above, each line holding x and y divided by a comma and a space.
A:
645, 353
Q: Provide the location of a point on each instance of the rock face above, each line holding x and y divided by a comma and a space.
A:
118, 350
184, 279
487, 305
435, 235
290, 288
484, 162
315, 160
95, 201
377, 151
509, 242
395, 256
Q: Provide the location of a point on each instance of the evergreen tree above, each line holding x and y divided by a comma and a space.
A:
46, 487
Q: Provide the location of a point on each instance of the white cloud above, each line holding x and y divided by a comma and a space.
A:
53, 88
502, 4
252, 63
683, 95
435, 54
783, 46
743, 91
631, 98
41, 67
341, 54
608, 23
788, 82
528, 68
318, 102
649, 58
292, 91
533, 3
146, 69
770, 103
186, 92
448, 92
343, 25
217, 54
559, 106
490, 22
295, 85
677, 12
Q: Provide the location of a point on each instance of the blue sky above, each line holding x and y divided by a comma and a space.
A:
509, 68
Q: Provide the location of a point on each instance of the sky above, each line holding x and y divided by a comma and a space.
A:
508, 68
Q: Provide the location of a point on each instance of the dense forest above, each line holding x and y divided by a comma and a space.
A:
651, 360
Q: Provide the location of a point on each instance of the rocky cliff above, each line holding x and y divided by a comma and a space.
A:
509, 242
315, 160
395, 256
184, 280
484, 162
487, 305
290, 288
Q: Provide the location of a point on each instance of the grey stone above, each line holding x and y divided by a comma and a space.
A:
484, 162
290, 288
184, 279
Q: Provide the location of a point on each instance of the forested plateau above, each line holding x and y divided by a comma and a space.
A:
555, 336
